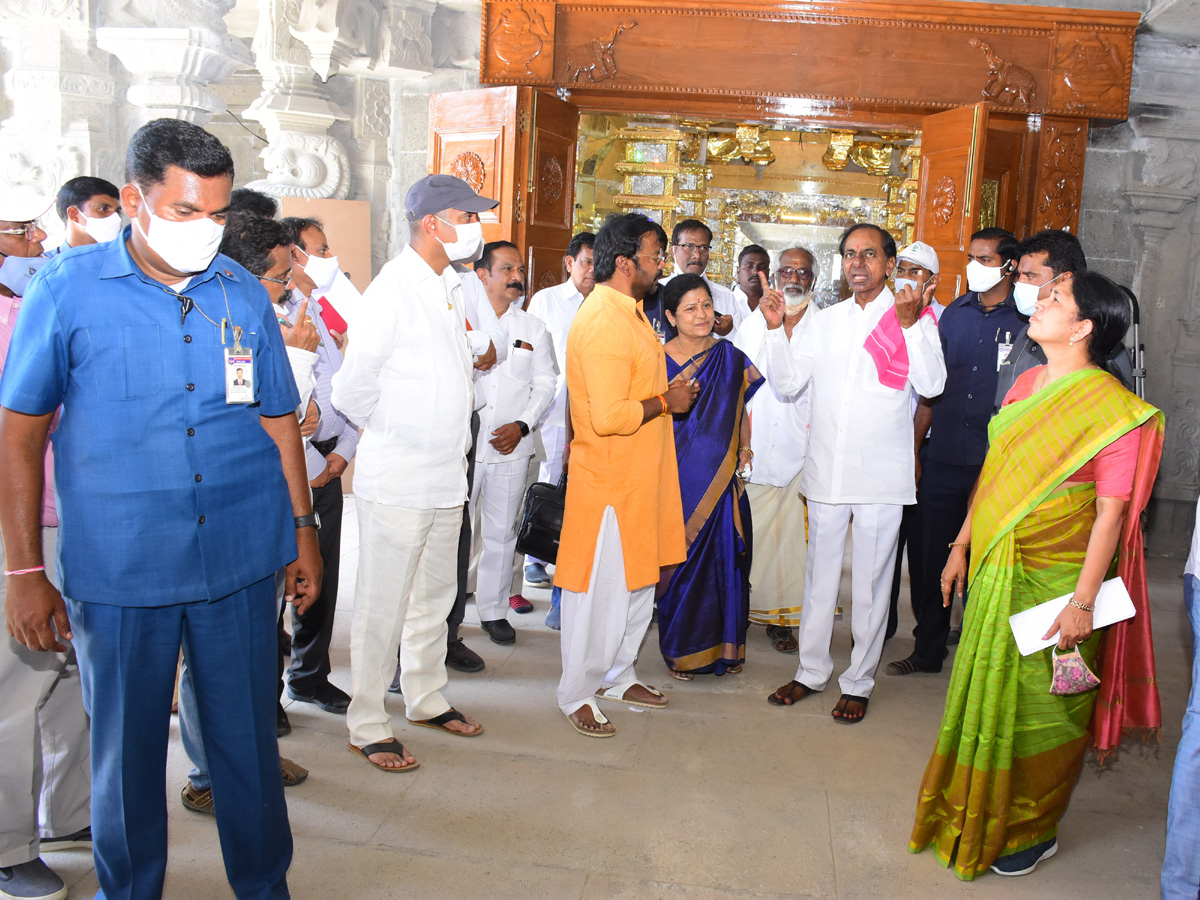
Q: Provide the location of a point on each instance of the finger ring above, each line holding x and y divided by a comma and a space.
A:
308, 319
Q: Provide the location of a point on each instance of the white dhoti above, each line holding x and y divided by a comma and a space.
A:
602, 629
780, 553
876, 528
496, 495
407, 582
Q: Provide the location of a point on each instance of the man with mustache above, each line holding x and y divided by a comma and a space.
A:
515, 393
779, 441
691, 244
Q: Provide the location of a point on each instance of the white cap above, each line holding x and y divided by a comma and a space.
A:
22, 204
920, 253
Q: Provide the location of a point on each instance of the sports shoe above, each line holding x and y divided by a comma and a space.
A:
33, 880
535, 575
519, 604
80, 840
197, 800
1025, 861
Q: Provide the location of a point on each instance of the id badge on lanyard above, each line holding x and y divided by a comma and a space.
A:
1003, 349
239, 371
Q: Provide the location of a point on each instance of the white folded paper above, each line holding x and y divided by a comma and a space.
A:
1113, 604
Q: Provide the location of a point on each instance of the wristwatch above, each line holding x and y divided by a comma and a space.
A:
312, 519
524, 428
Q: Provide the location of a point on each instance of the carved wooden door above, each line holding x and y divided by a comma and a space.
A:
517, 145
952, 162
1055, 180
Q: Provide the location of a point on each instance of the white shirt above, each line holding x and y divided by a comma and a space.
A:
860, 447
519, 389
556, 307
741, 307
302, 362
778, 423
406, 380
723, 301
485, 327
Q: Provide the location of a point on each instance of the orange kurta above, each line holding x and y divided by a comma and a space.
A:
614, 362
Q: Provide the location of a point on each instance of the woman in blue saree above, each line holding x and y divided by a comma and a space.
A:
704, 603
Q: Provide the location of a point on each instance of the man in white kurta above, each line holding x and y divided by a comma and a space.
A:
860, 462
407, 381
556, 307
514, 393
779, 441
747, 291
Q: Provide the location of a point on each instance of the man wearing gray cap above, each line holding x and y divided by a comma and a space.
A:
407, 382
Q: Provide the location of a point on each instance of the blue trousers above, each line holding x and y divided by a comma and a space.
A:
1181, 865
127, 657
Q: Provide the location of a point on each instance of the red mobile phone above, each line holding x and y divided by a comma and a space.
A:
330, 316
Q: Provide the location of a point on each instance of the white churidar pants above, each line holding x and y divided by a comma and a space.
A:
496, 496
407, 582
45, 780
602, 629
876, 529
550, 469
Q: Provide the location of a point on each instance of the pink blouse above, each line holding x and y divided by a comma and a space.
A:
1112, 469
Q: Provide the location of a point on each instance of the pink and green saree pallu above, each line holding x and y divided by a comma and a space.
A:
1008, 752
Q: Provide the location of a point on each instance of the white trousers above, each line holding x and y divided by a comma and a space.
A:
407, 582
602, 629
496, 495
876, 529
550, 469
45, 780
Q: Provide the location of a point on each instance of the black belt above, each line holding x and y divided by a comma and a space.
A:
325, 447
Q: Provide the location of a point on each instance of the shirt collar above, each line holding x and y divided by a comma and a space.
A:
972, 298
118, 264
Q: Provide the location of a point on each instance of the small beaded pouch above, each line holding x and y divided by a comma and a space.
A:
1070, 675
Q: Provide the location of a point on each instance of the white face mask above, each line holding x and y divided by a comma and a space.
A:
323, 270
468, 242
982, 278
1026, 295
103, 230
16, 271
902, 283
184, 246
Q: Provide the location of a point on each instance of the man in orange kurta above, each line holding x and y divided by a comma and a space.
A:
623, 517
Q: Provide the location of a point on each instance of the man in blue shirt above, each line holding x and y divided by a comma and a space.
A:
177, 504
977, 331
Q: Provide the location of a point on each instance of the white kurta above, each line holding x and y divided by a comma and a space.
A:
860, 447
741, 307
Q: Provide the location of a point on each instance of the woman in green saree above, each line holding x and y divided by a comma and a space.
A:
1072, 457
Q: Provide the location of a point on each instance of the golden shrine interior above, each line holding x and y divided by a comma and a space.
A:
778, 186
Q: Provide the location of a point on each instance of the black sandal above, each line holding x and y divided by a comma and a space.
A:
790, 699
839, 711
389, 746
450, 715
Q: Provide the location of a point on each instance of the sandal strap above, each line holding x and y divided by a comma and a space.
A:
450, 715
600, 718
388, 746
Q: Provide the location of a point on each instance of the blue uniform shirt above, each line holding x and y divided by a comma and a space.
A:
166, 494
971, 339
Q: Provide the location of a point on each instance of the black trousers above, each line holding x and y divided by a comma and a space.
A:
910, 545
312, 631
942, 499
459, 609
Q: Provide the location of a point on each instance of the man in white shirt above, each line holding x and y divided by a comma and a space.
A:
556, 307
407, 381
863, 359
748, 289
779, 441
691, 243
514, 394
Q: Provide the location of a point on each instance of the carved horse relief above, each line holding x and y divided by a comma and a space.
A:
596, 61
1007, 84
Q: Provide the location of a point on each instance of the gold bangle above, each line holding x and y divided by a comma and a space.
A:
954, 544
746, 450
663, 400
1081, 606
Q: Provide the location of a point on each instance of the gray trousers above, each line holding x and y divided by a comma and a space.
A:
45, 785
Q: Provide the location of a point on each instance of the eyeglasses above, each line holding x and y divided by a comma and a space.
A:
284, 281
657, 257
789, 272
693, 248
26, 229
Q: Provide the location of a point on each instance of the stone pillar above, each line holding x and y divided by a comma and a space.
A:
60, 99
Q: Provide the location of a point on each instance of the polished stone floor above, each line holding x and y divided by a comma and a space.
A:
719, 796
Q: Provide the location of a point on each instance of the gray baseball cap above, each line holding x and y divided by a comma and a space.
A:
433, 193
